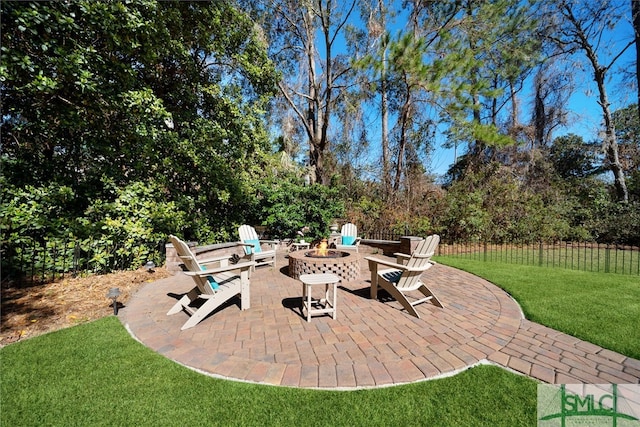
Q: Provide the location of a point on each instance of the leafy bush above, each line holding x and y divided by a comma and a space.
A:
493, 205
32, 213
41, 233
289, 207
614, 222
135, 222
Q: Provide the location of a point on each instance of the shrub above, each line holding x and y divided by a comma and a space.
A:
289, 207
41, 231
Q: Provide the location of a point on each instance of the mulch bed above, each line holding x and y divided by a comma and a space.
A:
35, 310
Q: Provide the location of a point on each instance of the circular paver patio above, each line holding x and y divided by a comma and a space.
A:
371, 343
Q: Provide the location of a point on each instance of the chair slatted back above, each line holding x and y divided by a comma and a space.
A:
248, 234
190, 262
419, 261
349, 229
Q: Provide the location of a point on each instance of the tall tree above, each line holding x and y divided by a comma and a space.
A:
303, 39
411, 82
403, 76
493, 45
552, 89
635, 18
376, 15
582, 27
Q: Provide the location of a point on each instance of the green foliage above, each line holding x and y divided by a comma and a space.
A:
490, 135
466, 218
30, 213
419, 226
614, 222
137, 220
289, 207
366, 213
492, 47
119, 118
125, 121
108, 235
492, 205
33, 226
572, 158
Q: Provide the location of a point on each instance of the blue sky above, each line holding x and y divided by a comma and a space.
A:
586, 114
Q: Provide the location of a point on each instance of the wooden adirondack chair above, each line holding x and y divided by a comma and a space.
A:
253, 247
404, 275
214, 286
350, 240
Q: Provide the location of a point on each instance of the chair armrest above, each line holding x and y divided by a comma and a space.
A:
387, 263
405, 256
399, 266
428, 255
402, 258
210, 271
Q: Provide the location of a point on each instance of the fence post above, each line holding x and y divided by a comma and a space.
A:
607, 259
540, 255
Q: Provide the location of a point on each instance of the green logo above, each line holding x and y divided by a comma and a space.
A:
588, 405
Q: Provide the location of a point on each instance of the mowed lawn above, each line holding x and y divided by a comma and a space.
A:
96, 374
601, 308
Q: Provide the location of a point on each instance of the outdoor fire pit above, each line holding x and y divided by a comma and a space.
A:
327, 254
322, 260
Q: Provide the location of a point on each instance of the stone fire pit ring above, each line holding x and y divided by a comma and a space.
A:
346, 267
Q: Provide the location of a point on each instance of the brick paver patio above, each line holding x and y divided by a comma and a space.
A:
371, 343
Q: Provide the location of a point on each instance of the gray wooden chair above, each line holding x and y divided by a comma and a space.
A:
404, 276
350, 240
253, 247
214, 286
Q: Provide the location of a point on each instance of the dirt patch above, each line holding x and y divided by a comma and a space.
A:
36, 310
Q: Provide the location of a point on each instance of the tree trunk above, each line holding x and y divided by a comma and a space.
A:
313, 104
405, 114
384, 110
635, 12
539, 114
610, 143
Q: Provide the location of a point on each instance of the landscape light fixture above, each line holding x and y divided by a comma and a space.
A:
150, 266
114, 293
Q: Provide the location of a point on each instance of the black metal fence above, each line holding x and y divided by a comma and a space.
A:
39, 263
34, 263
585, 256
384, 234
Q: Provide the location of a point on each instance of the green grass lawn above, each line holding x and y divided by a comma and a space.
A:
96, 374
601, 308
